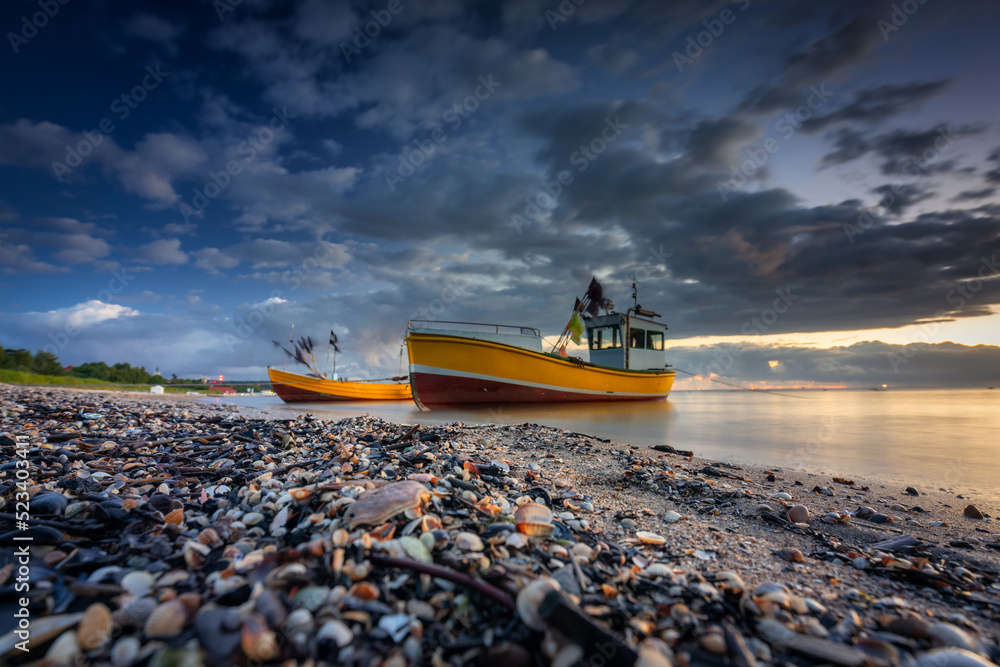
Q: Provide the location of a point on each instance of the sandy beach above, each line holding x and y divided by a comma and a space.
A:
681, 559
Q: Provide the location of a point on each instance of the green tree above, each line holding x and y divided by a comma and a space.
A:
17, 359
46, 363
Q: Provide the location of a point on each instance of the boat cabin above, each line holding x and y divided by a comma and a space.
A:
630, 341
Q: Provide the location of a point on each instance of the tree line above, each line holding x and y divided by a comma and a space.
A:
47, 363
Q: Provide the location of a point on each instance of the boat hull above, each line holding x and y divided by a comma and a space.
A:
453, 370
295, 388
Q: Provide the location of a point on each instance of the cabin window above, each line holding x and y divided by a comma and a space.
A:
636, 338
654, 340
605, 338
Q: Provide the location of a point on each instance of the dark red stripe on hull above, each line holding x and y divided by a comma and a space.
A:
431, 389
290, 394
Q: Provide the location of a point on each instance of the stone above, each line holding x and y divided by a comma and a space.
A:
973, 512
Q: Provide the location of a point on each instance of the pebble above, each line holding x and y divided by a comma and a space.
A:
973, 512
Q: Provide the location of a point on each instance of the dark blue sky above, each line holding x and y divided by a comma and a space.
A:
255, 176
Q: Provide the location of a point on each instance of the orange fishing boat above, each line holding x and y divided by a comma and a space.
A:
317, 387
296, 388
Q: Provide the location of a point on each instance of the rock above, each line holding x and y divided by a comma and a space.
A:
798, 514
671, 517
973, 512
912, 491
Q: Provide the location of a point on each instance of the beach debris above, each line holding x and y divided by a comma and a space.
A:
187, 534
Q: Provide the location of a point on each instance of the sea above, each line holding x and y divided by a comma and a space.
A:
940, 439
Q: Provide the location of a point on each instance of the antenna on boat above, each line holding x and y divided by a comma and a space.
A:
290, 335
635, 295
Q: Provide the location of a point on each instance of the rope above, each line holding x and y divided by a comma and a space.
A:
730, 384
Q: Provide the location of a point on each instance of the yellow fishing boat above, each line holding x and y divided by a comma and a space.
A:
296, 388
463, 362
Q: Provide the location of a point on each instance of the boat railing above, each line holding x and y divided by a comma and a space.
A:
526, 331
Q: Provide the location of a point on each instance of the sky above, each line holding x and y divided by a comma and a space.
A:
808, 192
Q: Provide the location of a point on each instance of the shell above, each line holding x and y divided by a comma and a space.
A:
790, 554
650, 538
952, 657
798, 514
95, 627
167, 620
210, 538
534, 520
138, 583
529, 599
258, 642
175, 517
65, 650
378, 506
337, 632
125, 651
195, 554
469, 542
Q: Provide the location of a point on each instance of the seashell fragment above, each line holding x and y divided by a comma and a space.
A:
174, 517
376, 507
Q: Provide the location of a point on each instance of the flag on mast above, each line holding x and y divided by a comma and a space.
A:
333, 341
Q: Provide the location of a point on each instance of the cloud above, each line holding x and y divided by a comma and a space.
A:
860, 366
873, 105
72, 241
841, 49
971, 195
164, 251
901, 152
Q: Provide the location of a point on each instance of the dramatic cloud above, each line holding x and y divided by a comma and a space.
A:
306, 162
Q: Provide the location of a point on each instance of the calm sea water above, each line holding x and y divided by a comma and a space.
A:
936, 438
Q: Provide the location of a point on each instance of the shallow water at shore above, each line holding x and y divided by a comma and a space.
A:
938, 438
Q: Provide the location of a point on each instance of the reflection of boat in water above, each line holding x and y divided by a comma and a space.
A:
296, 388
462, 362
